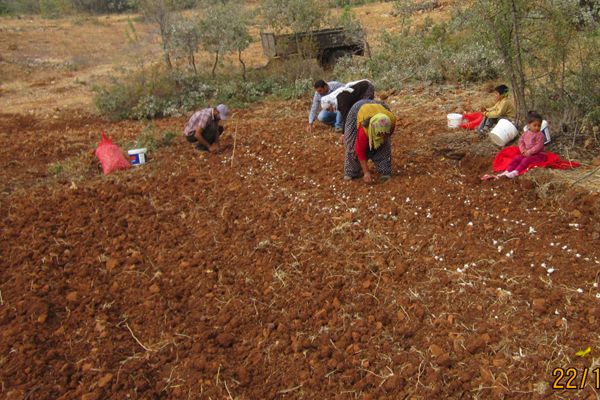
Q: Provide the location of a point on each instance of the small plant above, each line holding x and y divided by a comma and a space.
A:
153, 138
74, 168
55, 168
167, 138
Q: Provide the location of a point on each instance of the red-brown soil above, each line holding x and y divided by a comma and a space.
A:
265, 276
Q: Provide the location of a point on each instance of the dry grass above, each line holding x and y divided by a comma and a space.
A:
51, 64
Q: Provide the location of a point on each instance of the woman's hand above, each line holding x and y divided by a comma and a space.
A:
214, 148
367, 177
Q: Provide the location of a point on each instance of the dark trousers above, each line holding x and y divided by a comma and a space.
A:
362, 91
211, 133
487, 123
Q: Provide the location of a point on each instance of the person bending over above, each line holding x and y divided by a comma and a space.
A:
203, 128
331, 118
367, 133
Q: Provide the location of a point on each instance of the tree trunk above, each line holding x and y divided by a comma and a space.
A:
214, 68
243, 64
193, 62
368, 48
298, 48
168, 59
165, 42
520, 73
507, 57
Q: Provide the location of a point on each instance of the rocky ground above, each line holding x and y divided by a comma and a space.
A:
259, 273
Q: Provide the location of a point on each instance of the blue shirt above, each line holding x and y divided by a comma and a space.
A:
333, 85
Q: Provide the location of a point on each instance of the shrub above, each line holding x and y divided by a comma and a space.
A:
19, 6
55, 8
114, 100
350, 3
161, 93
151, 94
104, 6
294, 15
408, 7
153, 138
428, 53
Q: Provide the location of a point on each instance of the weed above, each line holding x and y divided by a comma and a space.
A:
55, 168
153, 138
74, 168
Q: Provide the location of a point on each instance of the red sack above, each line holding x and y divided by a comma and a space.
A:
473, 120
110, 156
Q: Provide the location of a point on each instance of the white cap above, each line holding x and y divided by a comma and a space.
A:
223, 111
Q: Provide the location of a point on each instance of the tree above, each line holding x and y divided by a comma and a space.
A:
238, 35
500, 22
212, 33
353, 27
550, 52
162, 12
294, 15
185, 36
225, 29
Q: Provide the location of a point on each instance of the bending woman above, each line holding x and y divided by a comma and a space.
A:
367, 137
345, 97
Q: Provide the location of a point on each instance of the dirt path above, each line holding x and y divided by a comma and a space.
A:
267, 276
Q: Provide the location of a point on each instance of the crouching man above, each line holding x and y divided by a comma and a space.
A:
204, 128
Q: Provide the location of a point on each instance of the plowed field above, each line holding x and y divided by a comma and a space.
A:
261, 274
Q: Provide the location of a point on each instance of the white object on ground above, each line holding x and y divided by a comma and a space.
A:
545, 129
454, 120
503, 132
137, 156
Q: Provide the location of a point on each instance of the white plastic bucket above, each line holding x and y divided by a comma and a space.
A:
454, 120
137, 156
503, 132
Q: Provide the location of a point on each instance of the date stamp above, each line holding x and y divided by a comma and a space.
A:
575, 379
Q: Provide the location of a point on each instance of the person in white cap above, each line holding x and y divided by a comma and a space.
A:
203, 128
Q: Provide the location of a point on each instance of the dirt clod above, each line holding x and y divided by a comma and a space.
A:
539, 305
105, 380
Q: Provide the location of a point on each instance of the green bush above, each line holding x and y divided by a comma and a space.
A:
351, 3
153, 138
55, 8
408, 7
19, 6
428, 53
104, 6
115, 100
157, 92
151, 94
